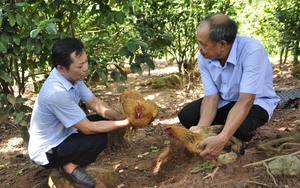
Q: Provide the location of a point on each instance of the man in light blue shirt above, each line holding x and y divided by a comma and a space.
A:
238, 85
61, 135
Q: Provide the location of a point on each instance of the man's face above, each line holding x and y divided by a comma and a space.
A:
78, 69
208, 48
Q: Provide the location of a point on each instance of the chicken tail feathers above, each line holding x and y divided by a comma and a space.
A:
235, 145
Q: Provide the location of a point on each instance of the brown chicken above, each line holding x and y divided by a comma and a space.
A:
139, 111
190, 139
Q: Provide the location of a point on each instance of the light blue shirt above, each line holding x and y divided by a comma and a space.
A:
246, 70
55, 112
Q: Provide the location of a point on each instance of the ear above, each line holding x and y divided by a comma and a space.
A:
61, 69
223, 43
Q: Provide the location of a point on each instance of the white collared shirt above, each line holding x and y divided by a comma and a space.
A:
246, 70
55, 112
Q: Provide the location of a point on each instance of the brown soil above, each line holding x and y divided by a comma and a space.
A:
135, 160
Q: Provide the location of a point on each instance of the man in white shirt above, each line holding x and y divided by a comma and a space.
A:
238, 85
61, 134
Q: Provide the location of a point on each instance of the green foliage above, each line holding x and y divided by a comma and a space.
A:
181, 19
25, 45
288, 15
123, 32
260, 25
12, 105
201, 167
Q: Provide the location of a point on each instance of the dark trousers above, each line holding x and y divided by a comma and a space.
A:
78, 148
257, 116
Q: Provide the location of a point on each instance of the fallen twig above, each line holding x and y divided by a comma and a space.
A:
287, 144
269, 159
268, 145
270, 174
258, 183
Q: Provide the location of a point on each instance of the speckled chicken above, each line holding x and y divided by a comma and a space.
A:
190, 139
139, 111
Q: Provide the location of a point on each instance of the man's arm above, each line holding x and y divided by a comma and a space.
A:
214, 145
101, 108
237, 115
208, 111
92, 127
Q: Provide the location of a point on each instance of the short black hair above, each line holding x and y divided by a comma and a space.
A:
62, 50
221, 29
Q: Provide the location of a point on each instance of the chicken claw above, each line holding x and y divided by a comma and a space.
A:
212, 175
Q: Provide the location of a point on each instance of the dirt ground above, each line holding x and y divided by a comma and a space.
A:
134, 161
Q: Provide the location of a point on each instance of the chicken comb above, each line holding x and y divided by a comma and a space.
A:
168, 130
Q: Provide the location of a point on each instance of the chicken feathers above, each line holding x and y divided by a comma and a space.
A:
139, 111
190, 139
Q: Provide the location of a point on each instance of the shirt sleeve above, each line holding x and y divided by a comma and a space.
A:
207, 81
254, 70
84, 91
65, 109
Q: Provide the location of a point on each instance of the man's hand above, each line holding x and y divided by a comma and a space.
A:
212, 147
194, 128
125, 123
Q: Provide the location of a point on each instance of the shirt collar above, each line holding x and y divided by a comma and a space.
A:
232, 54
63, 80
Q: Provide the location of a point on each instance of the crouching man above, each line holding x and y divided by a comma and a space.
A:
61, 134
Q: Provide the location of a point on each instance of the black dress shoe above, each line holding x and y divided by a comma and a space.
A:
80, 178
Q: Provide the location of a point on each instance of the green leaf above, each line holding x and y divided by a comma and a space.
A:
121, 88
22, 4
74, 7
154, 149
167, 36
11, 99
37, 48
48, 43
124, 52
131, 46
141, 43
145, 58
135, 67
4, 75
3, 47
19, 19
123, 75
44, 24
1, 18
5, 38
150, 63
201, 167
119, 17
34, 33
16, 39
19, 117
19, 172
11, 19
115, 75
51, 28
21, 100
25, 108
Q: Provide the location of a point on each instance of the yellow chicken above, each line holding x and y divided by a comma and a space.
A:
190, 139
139, 111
